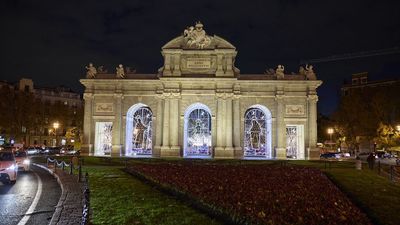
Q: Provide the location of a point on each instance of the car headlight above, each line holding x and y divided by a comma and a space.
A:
12, 167
27, 161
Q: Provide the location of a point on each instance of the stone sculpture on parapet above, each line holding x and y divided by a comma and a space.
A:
310, 75
279, 72
91, 71
196, 36
101, 69
120, 71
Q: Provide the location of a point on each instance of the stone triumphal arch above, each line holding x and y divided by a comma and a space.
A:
199, 105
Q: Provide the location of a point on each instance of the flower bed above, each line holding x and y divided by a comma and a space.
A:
259, 193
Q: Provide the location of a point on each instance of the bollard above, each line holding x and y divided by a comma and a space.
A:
79, 173
71, 167
379, 167
63, 165
358, 164
55, 166
47, 162
391, 173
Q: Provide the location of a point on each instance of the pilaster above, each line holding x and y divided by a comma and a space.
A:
159, 126
87, 145
116, 131
280, 126
313, 152
236, 127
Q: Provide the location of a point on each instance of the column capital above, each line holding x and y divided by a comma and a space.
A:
312, 98
224, 95
88, 96
279, 97
118, 95
171, 93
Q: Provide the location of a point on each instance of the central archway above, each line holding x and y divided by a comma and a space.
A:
197, 131
139, 131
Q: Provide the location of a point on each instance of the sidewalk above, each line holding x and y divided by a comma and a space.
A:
70, 206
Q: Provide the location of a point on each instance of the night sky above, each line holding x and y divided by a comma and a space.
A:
51, 41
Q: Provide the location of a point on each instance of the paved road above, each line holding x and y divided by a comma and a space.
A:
25, 203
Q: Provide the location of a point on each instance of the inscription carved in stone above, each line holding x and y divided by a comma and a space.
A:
198, 63
104, 107
294, 110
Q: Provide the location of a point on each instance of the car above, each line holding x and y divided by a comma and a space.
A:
22, 160
8, 167
330, 155
51, 150
32, 151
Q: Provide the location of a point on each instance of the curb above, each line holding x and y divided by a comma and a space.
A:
57, 213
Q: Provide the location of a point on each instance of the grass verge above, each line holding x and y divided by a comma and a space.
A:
377, 196
119, 198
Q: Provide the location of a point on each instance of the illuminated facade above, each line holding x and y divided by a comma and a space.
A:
198, 105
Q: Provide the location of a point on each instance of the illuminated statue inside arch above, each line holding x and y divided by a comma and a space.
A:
255, 130
139, 133
198, 133
255, 134
142, 132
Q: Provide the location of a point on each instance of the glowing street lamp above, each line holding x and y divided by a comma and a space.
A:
398, 128
330, 132
55, 126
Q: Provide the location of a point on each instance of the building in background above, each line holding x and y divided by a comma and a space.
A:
31, 113
368, 117
198, 105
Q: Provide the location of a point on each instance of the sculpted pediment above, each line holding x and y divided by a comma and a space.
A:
216, 42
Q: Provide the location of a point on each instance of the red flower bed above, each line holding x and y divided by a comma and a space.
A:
260, 193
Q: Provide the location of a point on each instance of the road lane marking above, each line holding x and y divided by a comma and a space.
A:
35, 201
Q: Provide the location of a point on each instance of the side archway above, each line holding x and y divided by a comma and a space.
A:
139, 131
197, 132
257, 132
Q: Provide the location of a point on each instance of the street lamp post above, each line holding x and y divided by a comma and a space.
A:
55, 126
330, 132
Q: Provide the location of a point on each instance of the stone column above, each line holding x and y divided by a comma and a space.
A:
159, 127
165, 139
229, 123
220, 71
167, 64
221, 127
177, 68
280, 127
220, 124
87, 145
236, 127
174, 126
116, 130
313, 152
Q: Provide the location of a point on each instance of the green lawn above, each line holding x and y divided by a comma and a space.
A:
118, 198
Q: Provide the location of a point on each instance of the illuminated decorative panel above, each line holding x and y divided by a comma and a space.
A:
103, 138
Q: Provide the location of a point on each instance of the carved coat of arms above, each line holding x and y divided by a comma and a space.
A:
196, 36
